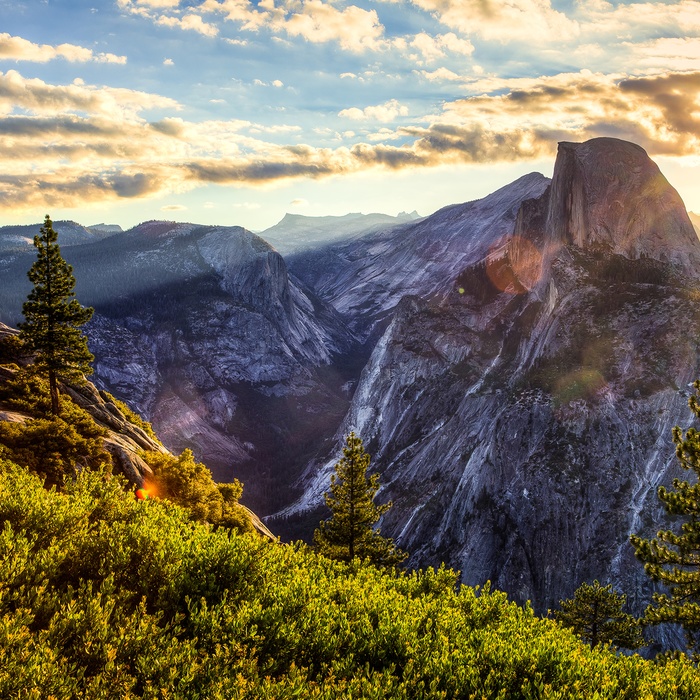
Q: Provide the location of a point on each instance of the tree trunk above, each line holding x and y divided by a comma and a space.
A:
53, 387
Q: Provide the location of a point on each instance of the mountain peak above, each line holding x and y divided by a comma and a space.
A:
607, 194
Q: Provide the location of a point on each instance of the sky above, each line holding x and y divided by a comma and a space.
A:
235, 112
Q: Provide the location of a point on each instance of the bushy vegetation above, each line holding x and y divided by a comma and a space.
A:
103, 596
56, 447
52, 446
189, 484
133, 417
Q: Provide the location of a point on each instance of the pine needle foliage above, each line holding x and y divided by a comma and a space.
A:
53, 317
350, 531
595, 614
672, 558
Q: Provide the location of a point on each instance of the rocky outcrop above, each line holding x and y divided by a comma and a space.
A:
521, 422
608, 195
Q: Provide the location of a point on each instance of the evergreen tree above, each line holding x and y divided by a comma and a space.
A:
350, 531
673, 557
595, 614
53, 316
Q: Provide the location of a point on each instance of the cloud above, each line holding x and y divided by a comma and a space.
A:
168, 62
174, 207
441, 74
386, 112
432, 48
189, 22
38, 97
352, 28
74, 145
19, 49
503, 20
299, 202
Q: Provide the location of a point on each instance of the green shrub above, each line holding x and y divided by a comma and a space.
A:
103, 596
56, 446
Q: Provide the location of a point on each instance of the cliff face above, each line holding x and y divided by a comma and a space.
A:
365, 279
608, 195
202, 331
521, 422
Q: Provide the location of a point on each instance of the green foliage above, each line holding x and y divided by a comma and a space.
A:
595, 614
52, 446
673, 556
25, 390
189, 484
11, 348
102, 597
53, 316
350, 532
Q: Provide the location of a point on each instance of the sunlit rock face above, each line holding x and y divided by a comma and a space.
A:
521, 421
608, 195
365, 279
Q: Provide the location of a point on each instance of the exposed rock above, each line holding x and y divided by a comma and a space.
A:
365, 279
521, 422
608, 195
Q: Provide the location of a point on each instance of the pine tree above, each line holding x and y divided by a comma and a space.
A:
53, 316
673, 557
595, 614
350, 532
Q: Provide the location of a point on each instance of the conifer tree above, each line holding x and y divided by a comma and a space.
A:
595, 614
53, 316
673, 556
350, 531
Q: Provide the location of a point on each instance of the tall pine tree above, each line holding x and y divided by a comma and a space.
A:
673, 556
53, 316
350, 531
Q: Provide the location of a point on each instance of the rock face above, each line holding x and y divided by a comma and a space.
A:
608, 195
521, 421
365, 279
201, 330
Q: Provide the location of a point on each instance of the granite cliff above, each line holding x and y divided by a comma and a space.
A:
521, 419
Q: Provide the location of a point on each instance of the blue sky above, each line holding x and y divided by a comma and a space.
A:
235, 112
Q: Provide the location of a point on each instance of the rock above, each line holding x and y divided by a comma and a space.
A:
521, 421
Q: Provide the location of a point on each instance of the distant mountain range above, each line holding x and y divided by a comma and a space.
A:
514, 364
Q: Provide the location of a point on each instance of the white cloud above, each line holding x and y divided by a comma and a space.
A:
168, 62
19, 49
38, 97
440, 75
189, 23
352, 28
299, 202
503, 20
174, 207
386, 112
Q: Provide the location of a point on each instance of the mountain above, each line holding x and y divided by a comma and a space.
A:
521, 416
365, 279
202, 331
15, 239
296, 232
